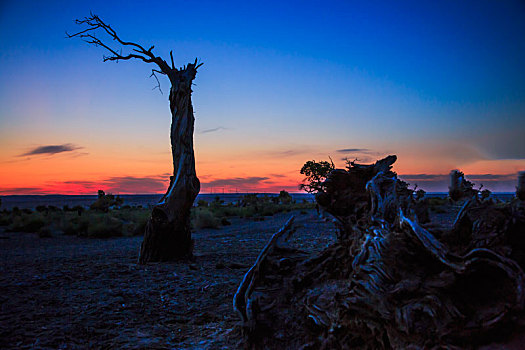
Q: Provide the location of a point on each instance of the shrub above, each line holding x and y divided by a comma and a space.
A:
27, 222
76, 226
284, 197
104, 201
106, 227
134, 220
79, 209
5, 218
420, 194
270, 210
204, 218
485, 194
435, 202
202, 204
217, 202
249, 199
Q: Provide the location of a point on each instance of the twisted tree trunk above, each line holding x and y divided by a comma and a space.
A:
168, 235
168, 232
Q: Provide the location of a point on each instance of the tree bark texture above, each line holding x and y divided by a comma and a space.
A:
168, 232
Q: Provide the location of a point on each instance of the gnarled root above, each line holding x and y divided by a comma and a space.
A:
389, 282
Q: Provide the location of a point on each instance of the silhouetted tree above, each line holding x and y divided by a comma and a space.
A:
167, 235
460, 187
315, 173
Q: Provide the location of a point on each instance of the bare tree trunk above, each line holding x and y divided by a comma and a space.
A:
168, 231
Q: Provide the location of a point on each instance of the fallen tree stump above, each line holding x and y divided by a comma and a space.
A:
391, 280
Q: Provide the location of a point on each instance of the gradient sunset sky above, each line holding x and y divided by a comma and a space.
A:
440, 84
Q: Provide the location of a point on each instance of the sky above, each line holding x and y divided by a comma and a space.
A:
439, 84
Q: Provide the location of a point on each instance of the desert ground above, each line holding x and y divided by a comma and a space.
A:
67, 292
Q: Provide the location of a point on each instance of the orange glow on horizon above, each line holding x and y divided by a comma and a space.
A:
120, 171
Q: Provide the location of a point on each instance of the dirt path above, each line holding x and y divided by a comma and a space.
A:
73, 293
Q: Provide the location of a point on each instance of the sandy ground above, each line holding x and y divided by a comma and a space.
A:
76, 293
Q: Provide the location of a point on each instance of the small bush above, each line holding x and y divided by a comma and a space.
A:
435, 203
106, 227
5, 218
105, 201
485, 194
420, 194
204, 218
284, 197
76, 226
79, 209
52, 208
269, 210
27, 222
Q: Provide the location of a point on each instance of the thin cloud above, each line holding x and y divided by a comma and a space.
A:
236, 181
124, 184
472, 177
131, 185
285, 153
493, 177
440, 182
51, 149
213, 130
423, 177
348, 150
136, 184
22, 190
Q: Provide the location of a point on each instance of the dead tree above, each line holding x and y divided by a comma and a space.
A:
391, 281
168, 235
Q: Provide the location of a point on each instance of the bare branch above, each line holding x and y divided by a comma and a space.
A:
153, 71
137, 51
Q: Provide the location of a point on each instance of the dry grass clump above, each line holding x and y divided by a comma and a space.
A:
107, 217
204, 218
47, 221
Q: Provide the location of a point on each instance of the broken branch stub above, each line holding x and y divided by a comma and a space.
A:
242, 303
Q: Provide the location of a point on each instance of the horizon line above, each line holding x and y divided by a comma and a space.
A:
204, 193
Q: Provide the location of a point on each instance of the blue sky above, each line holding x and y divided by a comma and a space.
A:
442, 85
